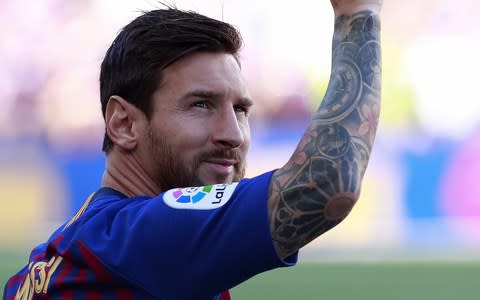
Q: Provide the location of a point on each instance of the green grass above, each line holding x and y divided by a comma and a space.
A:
342, 281
366, 281
10, 263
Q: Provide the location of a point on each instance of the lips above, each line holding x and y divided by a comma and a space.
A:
220, 168
222, 161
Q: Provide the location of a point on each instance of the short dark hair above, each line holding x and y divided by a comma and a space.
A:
132, 65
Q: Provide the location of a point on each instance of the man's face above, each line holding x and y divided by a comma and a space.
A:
198, 133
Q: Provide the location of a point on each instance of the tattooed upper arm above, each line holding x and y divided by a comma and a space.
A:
319, 185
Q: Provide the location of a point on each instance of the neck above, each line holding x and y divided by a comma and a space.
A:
124, 173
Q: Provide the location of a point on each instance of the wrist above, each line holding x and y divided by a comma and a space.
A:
356, 27
350, 9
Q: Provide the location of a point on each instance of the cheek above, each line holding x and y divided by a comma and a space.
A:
246, 136
186, 141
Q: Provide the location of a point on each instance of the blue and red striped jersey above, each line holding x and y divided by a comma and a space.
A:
186, 243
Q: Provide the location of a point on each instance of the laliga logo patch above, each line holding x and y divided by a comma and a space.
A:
203, 197
191, 194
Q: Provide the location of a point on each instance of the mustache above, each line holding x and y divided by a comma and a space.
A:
233, 154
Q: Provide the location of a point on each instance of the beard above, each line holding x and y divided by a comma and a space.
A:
170, 171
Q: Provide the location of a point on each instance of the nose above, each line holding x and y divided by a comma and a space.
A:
227, 131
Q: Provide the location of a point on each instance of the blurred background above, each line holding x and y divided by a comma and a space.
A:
421, 194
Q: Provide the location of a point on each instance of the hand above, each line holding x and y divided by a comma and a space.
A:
349, 7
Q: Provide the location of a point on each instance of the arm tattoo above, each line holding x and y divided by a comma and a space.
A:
318, 186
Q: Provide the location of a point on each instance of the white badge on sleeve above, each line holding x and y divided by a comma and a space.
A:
200, 197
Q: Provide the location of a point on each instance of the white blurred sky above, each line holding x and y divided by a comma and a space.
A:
53, 48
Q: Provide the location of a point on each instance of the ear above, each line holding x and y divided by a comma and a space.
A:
121, 119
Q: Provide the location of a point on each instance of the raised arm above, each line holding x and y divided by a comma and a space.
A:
321, 182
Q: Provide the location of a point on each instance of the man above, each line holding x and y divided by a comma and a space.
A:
176, 115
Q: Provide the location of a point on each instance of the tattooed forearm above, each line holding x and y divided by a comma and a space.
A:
317, 188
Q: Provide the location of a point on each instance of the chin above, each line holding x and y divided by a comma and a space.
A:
212, 178
211, 182
217, 180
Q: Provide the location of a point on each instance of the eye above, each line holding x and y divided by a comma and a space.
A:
241, 109
200, 104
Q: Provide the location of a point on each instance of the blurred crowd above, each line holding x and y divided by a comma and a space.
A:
420, 187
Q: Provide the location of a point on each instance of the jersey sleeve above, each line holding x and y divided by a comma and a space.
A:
185, 242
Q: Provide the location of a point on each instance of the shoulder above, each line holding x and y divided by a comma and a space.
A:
215, 196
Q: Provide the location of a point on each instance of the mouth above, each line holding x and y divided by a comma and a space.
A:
221, 166
222, 161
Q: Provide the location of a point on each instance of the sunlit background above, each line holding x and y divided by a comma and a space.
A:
421, 194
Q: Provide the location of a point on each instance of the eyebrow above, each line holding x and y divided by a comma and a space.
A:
206, 94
